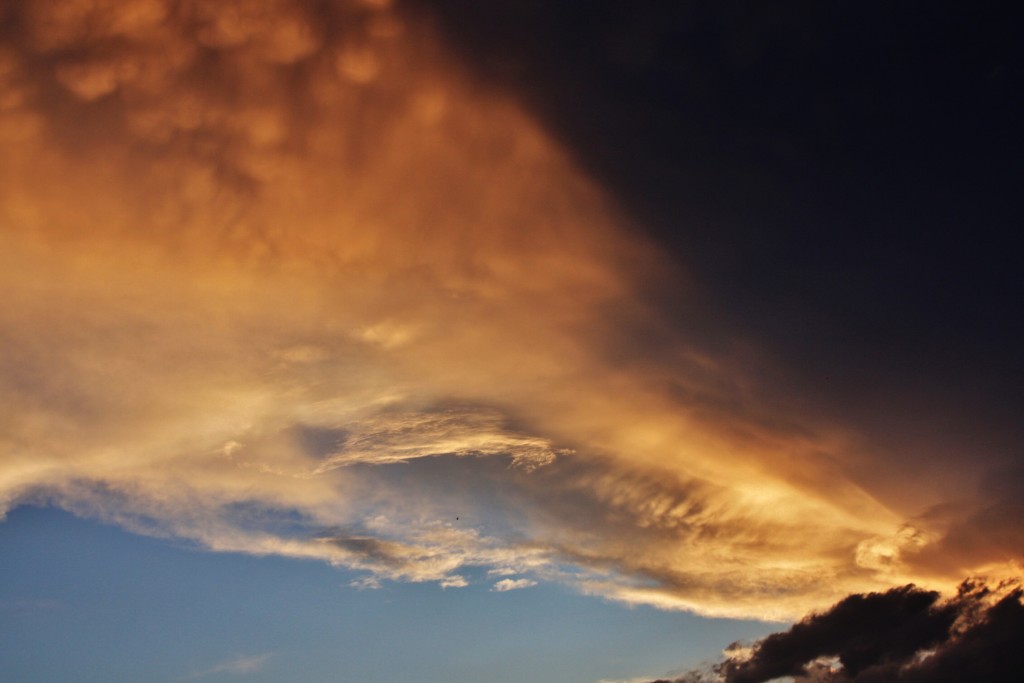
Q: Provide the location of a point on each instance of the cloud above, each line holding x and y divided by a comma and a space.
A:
904, 634
366, 583
512, 584
236, 666
286, 279
394, 437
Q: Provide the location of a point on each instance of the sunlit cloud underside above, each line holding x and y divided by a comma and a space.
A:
282, 278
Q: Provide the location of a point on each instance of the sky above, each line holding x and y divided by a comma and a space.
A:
613, 333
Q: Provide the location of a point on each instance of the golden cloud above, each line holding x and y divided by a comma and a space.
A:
261, 261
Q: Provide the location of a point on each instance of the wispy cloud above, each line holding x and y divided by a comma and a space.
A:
236, 665
366, 583
512, 584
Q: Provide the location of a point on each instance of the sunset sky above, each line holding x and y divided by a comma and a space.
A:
359, 340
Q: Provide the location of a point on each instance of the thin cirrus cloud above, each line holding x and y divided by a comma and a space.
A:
283, 279
506, 585
236, 666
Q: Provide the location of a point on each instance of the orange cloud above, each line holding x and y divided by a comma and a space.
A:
259, 258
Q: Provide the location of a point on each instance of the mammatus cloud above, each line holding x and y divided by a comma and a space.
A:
905, 634
283, 278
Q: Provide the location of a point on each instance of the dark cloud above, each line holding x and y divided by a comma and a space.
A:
904, 635
839, 179
862, 631
371, 548
779, 147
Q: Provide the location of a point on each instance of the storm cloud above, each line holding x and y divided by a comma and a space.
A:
902, 635
291, 278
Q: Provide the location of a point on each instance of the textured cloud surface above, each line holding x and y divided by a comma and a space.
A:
904, 634
282, 278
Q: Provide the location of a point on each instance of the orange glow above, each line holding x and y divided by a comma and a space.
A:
231, 229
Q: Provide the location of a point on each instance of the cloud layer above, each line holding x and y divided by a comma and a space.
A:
283, 278
905, 634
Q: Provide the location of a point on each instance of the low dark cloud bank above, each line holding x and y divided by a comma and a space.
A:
904, 635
